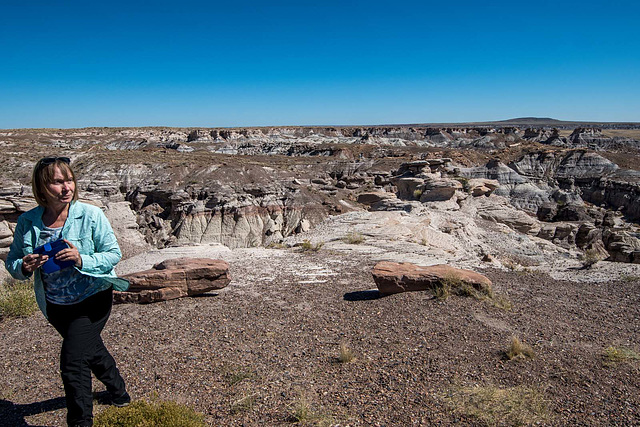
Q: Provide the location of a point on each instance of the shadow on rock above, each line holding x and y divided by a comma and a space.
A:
367, 295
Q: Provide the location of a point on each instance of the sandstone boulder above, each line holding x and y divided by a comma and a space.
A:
439, 190
6, 207
622, 245
374, 197
547, 211
5, 231
572, 212
126, 229
565, 235
393, 277
511, 217
481, 186
588, 235
175, 278
408, 187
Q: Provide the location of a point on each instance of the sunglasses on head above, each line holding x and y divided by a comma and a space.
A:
50, 160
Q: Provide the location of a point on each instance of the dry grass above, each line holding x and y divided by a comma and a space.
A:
353, 238
510, 264
237, 376
519, 350
615, 355
17, 299
492, 405
150, 414
442, 291
590, 258
307, 246
465, 183
500, 301
303, 413
629, 278
454, 286
244, 404
345, 355
276, 245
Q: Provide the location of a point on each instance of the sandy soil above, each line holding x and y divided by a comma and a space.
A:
248, 354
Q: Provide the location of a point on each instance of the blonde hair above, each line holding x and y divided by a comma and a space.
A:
43, 173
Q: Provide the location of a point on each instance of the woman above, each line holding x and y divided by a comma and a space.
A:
77, 299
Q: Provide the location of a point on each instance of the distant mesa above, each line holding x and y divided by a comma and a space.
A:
526, 120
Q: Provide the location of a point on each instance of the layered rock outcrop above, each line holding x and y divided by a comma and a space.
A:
531, 184
393, 277
175, 278
186, 186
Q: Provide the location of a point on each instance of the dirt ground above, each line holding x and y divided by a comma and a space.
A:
251, 353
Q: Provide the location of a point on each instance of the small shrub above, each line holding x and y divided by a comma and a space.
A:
528, 271
628, 278
150, 414
500, 406
303, 413
17, 299
442, 291
614, 355
465, 183
454, 286
244, 404
417, 194
500, 301
466, 290
519, 350
510, 264
276, 245
346, 354
590, 258
353, 238
238, 376
307, 246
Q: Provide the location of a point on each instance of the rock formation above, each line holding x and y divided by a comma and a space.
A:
393, 277
256, 186
175, 278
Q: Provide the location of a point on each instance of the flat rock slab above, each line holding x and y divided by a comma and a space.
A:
175, 278
396, 277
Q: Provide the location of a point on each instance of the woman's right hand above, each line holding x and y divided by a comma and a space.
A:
32, 262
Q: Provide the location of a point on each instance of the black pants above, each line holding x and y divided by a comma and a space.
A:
84, 352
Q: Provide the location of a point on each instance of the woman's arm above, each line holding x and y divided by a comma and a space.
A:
14, 260
107, 251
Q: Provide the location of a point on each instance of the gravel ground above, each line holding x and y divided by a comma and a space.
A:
248, 354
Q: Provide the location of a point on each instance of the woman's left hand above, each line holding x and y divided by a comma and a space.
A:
70, 254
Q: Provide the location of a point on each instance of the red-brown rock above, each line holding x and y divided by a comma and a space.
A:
175, 278
394, 277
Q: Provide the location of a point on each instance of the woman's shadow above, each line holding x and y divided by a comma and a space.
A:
13, 414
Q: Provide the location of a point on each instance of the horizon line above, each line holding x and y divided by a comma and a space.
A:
506, 122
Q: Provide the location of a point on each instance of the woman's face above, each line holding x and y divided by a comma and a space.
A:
60, 190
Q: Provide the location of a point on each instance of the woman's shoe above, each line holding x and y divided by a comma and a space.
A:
121, 401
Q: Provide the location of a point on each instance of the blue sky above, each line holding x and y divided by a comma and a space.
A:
249, 63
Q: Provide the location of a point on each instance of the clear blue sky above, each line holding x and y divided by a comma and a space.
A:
259, 63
